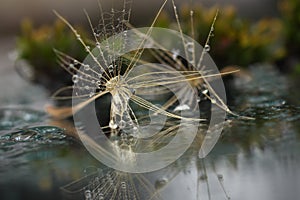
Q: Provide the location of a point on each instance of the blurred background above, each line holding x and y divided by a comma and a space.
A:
12, 12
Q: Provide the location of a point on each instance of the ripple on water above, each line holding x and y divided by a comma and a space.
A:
20, 136
11, 118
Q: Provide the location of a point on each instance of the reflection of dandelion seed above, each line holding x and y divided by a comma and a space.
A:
110, 184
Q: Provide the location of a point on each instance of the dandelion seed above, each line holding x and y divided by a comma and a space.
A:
75, 78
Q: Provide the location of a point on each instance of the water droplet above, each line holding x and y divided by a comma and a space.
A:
204, 91
97, 181
86, 87
207, 48
110, 67
123, 185
112, 124
190, 47
213, 101
182, 107
160, 183
98, 45
130, 122
87, 48
86, 67
75, 78
98, 83
175, 53
135, 129
77, 36
122, 124
101, 196
88, 194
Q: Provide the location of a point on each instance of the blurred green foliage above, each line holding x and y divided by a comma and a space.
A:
236, 41
36, 46
290, 14
290, 10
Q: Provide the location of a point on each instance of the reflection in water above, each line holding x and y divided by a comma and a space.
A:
184, 179
256, 159
110, 184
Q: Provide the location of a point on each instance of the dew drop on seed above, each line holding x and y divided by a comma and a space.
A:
123, 185
190, 47
98, 83
130, 123
112, 124
207, 48
122, 124
175, 53
88, 195
160, 183
182, 107
98, 45
97, 180
101, 196
86, 67
213, 101
75, 78
77, 36
135, 130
